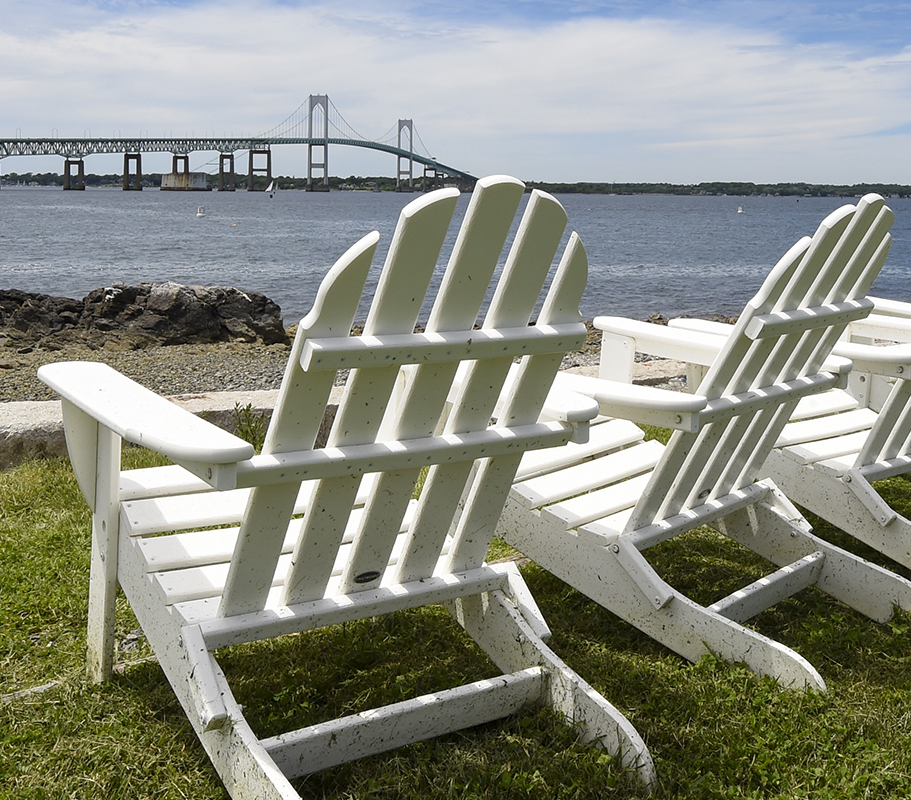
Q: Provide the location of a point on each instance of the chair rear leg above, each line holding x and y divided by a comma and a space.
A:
773, 534
687, 628
496, 623
843, 507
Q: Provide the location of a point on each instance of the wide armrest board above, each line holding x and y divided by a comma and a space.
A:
141, 416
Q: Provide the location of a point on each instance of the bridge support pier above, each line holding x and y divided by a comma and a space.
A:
136, 183
267, 170
432, 179
226, 159
180, 164
68, 165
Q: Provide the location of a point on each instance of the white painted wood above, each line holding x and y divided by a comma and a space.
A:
807, 430
761, 372
644, 404
159, 482
606, 436
332, 743
81, 432
297, 538
435, 346
587, 475
103, 565
140, 416
825, 449
295, 423
746, 603
779, 323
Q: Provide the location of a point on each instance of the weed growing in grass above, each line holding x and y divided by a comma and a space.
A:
250, 425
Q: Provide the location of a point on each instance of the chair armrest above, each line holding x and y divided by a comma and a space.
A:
645, 404
837, 363
573, 408
140, 416
892, 308
700, 325
889, 327
621, 338
891, 361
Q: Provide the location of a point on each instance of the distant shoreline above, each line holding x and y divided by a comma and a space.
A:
727, 188
14, 180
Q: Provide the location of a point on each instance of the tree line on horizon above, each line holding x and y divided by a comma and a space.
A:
740, 189
385, 183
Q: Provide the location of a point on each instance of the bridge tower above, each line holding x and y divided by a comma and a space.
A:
405, 125
319, 107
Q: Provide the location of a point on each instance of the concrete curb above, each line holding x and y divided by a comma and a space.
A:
34, 429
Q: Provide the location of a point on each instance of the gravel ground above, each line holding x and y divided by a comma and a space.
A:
186, 369
180, 369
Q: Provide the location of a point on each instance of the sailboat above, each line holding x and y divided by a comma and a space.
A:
271, 188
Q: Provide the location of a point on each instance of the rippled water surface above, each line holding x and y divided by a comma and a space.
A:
647, 254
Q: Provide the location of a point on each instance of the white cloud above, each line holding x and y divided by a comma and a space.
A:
583, 99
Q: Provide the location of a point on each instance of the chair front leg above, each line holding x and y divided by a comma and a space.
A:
103, 574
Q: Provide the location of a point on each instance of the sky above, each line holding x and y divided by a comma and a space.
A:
765, 91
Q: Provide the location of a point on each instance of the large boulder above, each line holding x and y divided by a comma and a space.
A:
141, 316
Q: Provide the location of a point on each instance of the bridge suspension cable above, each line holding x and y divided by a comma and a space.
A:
297, 128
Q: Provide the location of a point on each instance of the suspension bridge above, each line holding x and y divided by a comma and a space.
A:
317, 123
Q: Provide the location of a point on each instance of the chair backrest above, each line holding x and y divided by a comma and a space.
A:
361, 517
772, 358
890, 436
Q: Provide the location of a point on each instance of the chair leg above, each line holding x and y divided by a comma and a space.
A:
104, 559
772, 534
689, 629
243, 764
843, 508
495, 622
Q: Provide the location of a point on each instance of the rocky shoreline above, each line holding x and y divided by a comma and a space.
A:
174, 339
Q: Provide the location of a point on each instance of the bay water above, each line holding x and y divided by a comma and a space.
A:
648, 254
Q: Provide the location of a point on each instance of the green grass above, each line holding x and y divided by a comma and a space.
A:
714, 729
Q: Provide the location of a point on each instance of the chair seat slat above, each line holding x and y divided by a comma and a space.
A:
809, 430
605, 436
817, 405
825, 449
597, 504
586, 475
208, 580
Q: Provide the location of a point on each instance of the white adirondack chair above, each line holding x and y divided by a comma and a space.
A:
835, 447
588, 511
363, 547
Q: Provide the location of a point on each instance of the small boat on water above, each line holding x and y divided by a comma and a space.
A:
271, 188
740, 210
201, 211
